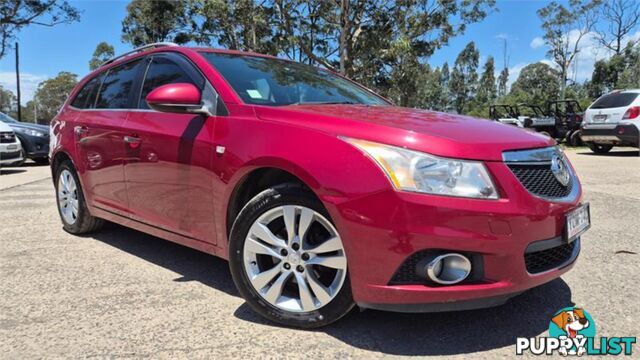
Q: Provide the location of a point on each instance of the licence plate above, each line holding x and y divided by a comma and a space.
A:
12, 147
577, 222
599, 118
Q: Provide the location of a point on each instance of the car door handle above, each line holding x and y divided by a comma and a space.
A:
81, 130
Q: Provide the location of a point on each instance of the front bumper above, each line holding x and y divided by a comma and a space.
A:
10, 154
390, 226
621, 135
34, 147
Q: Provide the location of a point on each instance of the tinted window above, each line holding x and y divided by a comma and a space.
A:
87, 95
116, 87
164, 71
268, 81
614, 100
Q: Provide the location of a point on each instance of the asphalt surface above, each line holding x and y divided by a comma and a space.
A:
121, 293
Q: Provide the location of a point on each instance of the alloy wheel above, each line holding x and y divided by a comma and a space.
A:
68, 197
294, 258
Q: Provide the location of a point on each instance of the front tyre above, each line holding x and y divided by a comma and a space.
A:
287, 259
72, 206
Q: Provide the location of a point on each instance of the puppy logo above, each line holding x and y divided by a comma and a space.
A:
571, 321
574, 324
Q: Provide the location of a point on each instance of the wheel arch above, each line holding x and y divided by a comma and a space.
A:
258, 179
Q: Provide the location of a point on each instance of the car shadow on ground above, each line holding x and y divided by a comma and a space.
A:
192, 265
448, 333
5, 171
630, 153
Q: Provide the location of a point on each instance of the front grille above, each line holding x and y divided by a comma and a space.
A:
540, 261
406, 273
10, 155
539, 180
7, 137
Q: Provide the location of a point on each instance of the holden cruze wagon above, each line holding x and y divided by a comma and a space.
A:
321, 194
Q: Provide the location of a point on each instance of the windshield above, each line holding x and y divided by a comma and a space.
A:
6, 118
273, 82
614, 100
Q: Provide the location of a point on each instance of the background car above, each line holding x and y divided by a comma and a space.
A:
612, 120
10, 150
34, 138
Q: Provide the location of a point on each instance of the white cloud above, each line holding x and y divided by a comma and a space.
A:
537, 43
502, 36
589, 51
28, 83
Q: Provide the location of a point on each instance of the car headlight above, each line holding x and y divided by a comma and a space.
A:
32, 132
411, 170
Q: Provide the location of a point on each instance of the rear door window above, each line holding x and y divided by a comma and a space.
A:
614, 100
117, 86
165, 70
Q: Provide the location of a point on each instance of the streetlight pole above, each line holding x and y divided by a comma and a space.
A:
18, 81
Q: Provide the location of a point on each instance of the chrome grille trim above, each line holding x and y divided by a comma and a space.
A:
537, 158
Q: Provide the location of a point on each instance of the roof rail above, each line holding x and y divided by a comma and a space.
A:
139, 49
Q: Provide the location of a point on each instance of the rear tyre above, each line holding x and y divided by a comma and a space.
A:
600, 148
72, 206
287, 259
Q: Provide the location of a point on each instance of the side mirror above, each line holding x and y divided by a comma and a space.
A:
181, 98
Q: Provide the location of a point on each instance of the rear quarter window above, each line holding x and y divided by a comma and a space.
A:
614, 100
85, 99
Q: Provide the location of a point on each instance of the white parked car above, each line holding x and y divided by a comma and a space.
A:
10, 149
612, 120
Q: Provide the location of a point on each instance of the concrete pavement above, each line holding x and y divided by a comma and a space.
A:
121, 293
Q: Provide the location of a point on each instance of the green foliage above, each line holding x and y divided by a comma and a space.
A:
17, 14
52, 93
383, 44
464, 78
103, 52
536, 84
487, 91
155, 21
503, 79
621, 71
235, 24
564, 29
7, 100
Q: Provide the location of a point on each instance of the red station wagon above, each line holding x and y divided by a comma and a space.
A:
321, 194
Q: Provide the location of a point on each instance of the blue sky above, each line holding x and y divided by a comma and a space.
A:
46, 51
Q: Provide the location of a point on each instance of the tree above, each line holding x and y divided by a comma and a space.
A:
103, 52
464, 78
503, 79
236, 25
444, 103
156, 21
618, 72
565, 28
52, 93
7, 100
17, 14
487, 91
536, 84
621, 17
630, 76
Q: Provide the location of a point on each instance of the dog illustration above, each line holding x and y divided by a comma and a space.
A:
572, 321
